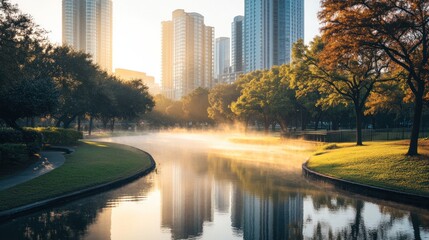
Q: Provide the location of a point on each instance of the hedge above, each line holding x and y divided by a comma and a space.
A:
59, 136
37, 136
12, 154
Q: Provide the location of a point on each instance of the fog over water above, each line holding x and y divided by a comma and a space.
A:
223, 186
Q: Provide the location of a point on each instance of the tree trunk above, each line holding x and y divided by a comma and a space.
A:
266, 124
282, 123
78, 123
415, 130
90, 126
112, 127
359, 116
68, 121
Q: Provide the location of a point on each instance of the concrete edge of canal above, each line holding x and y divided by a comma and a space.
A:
26, 209
368, 190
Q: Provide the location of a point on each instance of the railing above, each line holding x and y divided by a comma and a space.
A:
350, 135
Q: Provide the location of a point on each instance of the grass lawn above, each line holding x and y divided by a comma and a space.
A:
92, 164
381, 164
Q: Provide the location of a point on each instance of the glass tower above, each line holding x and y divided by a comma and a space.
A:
87, 26
271, 28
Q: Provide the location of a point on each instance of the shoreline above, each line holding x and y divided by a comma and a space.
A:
368, 190
35, 206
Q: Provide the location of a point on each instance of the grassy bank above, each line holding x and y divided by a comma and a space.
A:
381, 164
92, 164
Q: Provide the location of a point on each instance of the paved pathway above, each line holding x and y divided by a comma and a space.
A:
49, 161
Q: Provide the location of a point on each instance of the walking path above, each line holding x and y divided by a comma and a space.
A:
48, 162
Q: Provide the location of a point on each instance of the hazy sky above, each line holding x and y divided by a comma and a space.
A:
137, 25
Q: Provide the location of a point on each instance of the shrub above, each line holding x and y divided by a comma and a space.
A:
59, 136
13, 154
10, 136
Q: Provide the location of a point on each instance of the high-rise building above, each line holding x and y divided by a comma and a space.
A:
187, 54
237, 44
271, 27
222, 57
167, 53
87, 26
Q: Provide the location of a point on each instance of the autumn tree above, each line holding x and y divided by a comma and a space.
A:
343, 76
400, 29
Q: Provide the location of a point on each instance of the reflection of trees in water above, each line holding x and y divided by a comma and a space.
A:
258, 178
267, 182
71, 221
357, 229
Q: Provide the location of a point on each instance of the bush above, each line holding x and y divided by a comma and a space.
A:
13, 154
10, 136
59, 136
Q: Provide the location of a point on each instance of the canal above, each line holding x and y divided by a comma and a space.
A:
217, 186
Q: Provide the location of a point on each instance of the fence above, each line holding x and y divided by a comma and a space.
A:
350, 135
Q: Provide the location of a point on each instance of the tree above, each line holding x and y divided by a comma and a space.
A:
400, 29
195, 106
220, 99
343, 76
75, 76
268, 94
26, 90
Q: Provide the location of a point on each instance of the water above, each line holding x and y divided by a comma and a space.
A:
222, 187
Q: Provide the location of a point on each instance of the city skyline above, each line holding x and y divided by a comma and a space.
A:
137, 26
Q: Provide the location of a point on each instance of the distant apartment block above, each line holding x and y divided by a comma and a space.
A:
129, 75
87, 26
271, 27
237, 44
222, 57
187, 54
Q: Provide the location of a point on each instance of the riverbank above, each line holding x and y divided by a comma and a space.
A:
93, 164
379, 164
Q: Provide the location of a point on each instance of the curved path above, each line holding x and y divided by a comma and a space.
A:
48, 162
11, 213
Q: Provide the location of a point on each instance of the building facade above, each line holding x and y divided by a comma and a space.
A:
271, 28
222, 57
237, 44
87, 26
187, 54
129, 75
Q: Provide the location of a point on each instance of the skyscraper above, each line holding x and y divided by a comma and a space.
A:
187, 54
237, 44
271, 27
87, 26
222, 56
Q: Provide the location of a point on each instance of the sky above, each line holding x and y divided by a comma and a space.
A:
137, 25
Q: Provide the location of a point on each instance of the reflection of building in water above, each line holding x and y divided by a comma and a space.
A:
102, 227
267, 217
236, 208
186, 201
222, 196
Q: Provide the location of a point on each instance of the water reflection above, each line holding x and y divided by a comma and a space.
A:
207, 187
